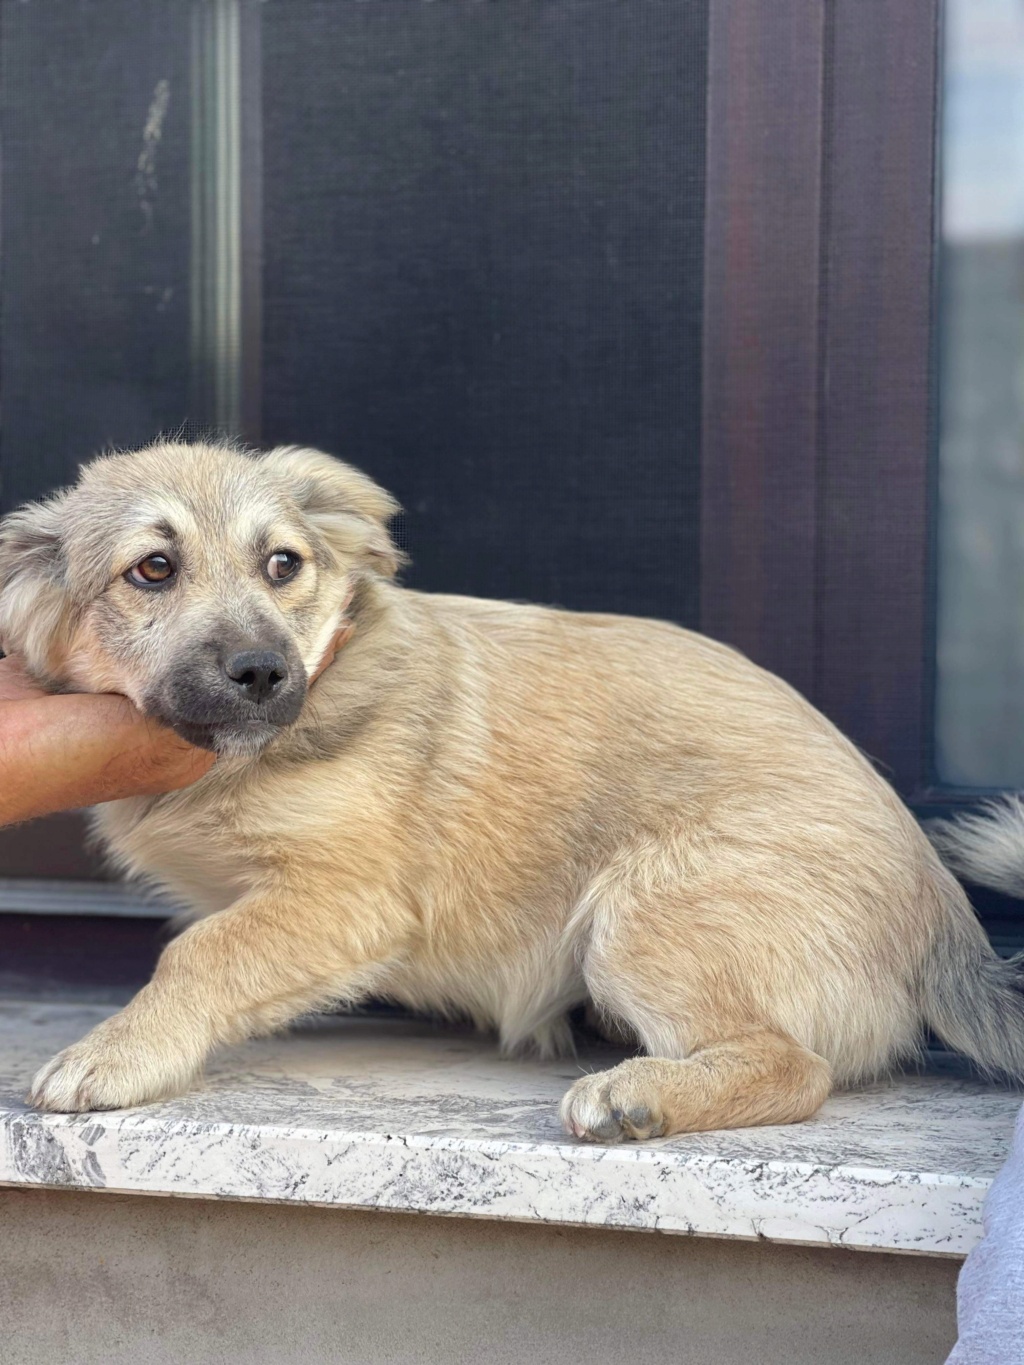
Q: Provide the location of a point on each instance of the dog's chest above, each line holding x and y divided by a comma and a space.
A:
195, 857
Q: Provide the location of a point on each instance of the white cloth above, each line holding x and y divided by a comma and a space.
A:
990, 1292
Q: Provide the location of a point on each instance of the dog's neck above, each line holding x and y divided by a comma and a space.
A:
347, 693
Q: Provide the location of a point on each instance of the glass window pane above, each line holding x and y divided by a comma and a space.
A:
980, 663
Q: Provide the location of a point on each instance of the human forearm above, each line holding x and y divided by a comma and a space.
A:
59, 752
79, 749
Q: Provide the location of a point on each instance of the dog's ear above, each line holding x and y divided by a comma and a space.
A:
347, 508
35, 606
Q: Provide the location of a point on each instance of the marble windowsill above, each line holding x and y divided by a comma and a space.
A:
387, 1114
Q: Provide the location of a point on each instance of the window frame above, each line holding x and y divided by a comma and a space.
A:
818, 460
823, 117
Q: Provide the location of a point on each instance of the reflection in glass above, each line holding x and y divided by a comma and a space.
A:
216, 255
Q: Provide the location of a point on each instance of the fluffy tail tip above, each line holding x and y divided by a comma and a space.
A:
986, 847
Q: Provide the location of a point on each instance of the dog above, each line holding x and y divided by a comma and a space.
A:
487, 810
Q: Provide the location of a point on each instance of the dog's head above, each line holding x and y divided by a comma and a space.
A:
201, 581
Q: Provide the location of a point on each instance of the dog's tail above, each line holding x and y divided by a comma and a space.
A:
987, 848
973, 999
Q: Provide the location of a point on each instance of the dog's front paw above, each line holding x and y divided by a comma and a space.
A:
118, 1065
614, 1106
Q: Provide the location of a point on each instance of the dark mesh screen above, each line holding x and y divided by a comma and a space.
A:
94, 197
482, 282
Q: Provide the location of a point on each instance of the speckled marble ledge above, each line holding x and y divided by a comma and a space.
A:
387, 1114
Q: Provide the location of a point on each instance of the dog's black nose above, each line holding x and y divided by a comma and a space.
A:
258, 672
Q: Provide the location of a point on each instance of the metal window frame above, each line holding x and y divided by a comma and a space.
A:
818, 433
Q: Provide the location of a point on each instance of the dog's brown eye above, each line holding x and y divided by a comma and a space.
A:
151, 571
282, 564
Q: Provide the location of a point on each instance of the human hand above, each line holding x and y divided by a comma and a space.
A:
108, 727
62, 751
80, 749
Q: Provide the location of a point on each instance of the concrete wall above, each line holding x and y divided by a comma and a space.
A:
98, 1278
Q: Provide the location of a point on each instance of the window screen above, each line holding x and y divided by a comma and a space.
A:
482, 281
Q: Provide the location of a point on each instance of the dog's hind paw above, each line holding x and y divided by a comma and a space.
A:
613, 1106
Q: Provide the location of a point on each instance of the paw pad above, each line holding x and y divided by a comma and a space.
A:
606, 1108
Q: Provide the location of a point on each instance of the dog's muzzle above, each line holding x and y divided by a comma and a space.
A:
234, 698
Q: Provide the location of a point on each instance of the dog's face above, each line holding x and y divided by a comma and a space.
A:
200, 581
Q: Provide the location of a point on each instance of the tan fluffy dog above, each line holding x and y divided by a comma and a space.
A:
497, 811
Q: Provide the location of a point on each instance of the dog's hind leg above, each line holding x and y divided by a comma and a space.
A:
686, 974
758, 1078
247, 970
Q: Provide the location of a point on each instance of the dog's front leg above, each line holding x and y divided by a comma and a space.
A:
246, 970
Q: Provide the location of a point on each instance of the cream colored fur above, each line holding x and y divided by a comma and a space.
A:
491, 810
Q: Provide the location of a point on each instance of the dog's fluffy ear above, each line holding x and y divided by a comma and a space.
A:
347, 508
35, 606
